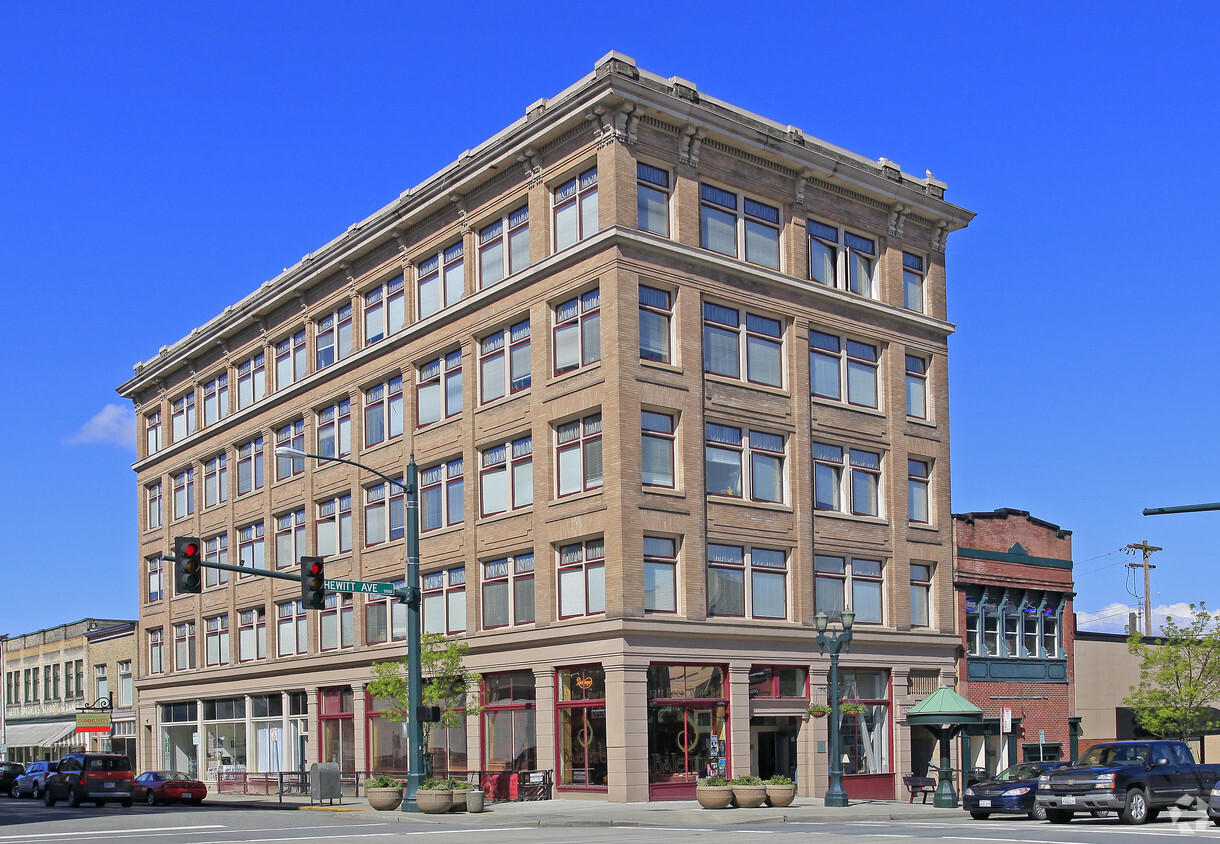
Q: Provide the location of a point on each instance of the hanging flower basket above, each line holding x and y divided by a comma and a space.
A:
818, 710
852, 708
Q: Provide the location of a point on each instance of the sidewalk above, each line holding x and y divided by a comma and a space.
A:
561, 813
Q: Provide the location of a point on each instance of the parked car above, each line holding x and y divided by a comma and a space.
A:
100, 777
9, 771
30, 783
155, 787
1135, 778
1010, 792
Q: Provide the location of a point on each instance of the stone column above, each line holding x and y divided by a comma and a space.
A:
740, 750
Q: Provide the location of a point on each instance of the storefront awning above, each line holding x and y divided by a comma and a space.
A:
38, 735
944, 707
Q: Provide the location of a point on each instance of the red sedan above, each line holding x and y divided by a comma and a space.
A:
156, 787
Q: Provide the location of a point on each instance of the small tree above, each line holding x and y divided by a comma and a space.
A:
1179, 676
447, 684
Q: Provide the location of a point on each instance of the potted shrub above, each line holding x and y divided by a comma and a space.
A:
384, 793
852, 708
714, 793
818, 710
434, 797
748, 792
465, 795
781, 791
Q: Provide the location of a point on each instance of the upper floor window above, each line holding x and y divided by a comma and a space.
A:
848, 583
741, 577
732, 225
508, 591
251, 548
292, 629
335, 526
913, 282
656, 319
738, 460
250, 466
156, 651
657, 452
335, 429
252, 634
155, 578
578, 458
1013, 623
504, 362
383, 513
442, 495
576, 209
504, 247
444, 601
833, 486
293, 435
441, 280
336, 623
777, 681
385, 310
917, 387
125, 683
216, 640
439, 389
152, 431
833, 360
735, 342
291, 363
918, 474
216, 550
333, 338
251, 381
184, 493
216, 481
842, 259
184, 645
921, 594
289, 538
153, 494
383, 412
216, 399
184, 419
385, 619
578, 337
660, 574
652, 198
506, 477
582, 578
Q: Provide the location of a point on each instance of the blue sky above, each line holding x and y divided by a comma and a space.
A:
158, 161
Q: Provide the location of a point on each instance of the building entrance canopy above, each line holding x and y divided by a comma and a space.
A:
38, 735
944, 712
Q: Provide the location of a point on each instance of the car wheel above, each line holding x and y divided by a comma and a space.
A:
126, 804
1136, 810
48, 799
151, 798
980, 816
1216, 821
1038, 813
73, 798
1059, 815
34, 792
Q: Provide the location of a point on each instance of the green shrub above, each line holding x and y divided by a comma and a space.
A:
713, 781
432, 784
461, 785
779, 779
745, 779
382, 781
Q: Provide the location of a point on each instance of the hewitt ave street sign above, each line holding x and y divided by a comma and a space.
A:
364, 587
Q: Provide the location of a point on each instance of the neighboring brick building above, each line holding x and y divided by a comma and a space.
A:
46, 679
1014, 587
676, 379
111, 671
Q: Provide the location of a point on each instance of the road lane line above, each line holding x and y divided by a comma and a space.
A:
202, 828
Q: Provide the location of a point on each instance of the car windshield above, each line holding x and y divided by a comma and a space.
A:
108, 763
1019, 772
1125, 754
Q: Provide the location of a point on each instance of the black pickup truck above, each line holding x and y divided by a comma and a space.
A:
1134, 778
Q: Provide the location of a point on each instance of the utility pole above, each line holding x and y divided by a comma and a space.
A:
1147, 550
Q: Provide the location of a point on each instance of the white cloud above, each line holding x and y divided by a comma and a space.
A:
1113, 617
113, 425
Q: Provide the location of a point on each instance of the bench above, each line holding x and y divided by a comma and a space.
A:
919, 785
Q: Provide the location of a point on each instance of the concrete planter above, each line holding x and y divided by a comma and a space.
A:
749, 796
434, 802
780, 796
384, 799
714, 796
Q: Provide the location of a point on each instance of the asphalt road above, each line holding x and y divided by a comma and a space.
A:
27, 822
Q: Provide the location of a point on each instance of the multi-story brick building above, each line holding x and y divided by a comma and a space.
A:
111, 669
1014, 582
46, 681
675, 376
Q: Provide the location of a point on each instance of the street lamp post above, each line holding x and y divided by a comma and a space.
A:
836, 795
410, 595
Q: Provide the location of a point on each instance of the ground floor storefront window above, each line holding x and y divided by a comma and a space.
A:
865, 737
225, 735
582, 728
687, 723
336, 713
510, 740
387, 739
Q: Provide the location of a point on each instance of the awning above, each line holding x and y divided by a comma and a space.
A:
37, 735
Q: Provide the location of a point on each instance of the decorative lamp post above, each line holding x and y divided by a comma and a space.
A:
410, 595
836, 795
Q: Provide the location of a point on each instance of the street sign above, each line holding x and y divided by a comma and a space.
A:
93, 722
1006, 720
364, 587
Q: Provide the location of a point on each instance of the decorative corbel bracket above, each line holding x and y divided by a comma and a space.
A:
532, 165
940, 235
802, 180
689, 143
898, 216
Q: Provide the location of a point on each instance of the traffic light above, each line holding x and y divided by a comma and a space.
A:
188, 565
313, 583
428, 714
